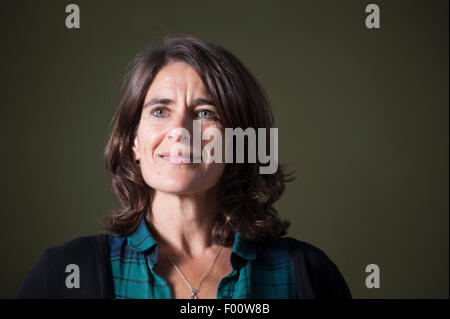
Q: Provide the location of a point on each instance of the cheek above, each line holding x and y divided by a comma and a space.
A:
217, 174
149, 140
215, 170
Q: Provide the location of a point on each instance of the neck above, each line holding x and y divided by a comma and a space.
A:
183, 222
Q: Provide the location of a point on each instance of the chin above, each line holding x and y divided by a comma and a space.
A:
181, 187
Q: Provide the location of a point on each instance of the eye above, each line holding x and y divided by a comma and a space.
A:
207, 114
159, 111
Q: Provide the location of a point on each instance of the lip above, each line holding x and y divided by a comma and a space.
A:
177, 160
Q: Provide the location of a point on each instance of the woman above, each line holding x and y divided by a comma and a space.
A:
190, 227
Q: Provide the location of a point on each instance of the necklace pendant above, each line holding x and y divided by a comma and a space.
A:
194, 294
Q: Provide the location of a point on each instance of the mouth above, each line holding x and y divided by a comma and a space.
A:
179, 159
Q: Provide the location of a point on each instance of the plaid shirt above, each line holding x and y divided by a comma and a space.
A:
260, 270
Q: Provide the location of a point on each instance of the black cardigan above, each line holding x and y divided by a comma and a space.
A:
316, 275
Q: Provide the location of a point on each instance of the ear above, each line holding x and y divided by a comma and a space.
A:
136, 149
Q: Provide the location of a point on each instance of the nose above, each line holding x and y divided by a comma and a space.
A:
177, 135
179, 129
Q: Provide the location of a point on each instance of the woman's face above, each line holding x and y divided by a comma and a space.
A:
176, 97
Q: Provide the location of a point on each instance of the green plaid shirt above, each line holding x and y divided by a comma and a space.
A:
260, 270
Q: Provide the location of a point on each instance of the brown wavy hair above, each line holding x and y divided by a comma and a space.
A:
246, 198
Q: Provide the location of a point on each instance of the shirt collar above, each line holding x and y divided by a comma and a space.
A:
243, 248
142, 241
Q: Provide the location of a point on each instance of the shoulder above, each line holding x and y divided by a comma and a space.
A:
317, 276
315, 256
81, 251
47, 278
292, 247
78, 247
297, 250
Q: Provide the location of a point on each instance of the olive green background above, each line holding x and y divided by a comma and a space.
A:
362, 117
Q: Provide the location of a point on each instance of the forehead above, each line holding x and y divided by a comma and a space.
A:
175, 77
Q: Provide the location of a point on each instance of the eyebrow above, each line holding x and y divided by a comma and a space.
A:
196, 102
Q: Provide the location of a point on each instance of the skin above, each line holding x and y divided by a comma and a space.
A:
184, 199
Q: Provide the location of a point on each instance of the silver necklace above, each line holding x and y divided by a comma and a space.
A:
194, 291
